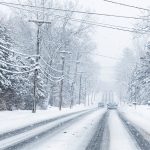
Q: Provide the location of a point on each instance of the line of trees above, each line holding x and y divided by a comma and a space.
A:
62, 35
133, 71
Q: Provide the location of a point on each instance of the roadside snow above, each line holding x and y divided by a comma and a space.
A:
75, 137
139, 116
119, 136
11, 120
34, 132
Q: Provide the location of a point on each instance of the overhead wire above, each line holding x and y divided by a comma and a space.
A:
127, 5
9, 5
56, 78
88, 22
17, 72
2, 48
49, 78
50, 66
60, 78
94, 23
19, 66
51, 75
110, 26
78, 11
104, 56
103, 24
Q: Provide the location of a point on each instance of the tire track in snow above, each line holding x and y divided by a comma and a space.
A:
74, 136
19, 140
120, 137
142, 142
34, 125
97, 140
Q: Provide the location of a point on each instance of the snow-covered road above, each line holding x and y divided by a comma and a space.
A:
23, 137
120, 139
75, 137
139, 116
97, 130
12, 120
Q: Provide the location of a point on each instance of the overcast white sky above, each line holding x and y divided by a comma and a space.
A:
111, 42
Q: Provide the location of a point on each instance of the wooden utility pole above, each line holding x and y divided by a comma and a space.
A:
92, 96
61, 84
88, 99
110, 100
85, 91
74, 80
88, 93
72, 96
106, 97
39, 24
80, 88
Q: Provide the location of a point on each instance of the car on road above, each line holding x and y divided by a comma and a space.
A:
100, 105
112, 106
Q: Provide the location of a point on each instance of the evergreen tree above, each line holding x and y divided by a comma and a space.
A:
139, 87
5, 77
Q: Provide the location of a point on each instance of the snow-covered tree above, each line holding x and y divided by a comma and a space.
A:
140, 80
5, 57
123, 73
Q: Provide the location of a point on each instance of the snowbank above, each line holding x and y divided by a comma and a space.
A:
11, 120
139, 116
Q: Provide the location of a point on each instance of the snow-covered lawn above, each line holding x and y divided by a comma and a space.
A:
139, 116
10, 120
75, 137
119, 136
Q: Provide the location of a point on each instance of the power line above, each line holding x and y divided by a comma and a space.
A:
95, 23
123, 4
12, 51
51, 75
99, 25
43, 72
104, 56
8, 5
48, 77
74, 11
122, 28
17, 72
19, 66
59, 71
109, 26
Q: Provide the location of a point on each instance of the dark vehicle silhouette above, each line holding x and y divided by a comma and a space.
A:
112, 106
101, 105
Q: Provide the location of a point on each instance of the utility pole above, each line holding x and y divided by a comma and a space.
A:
103, 99
85, 91
107, 97
136, 90
72, 98
74, 80
80, 88
88, 99
113, 97
135, 101
39, 24
94, 97
110, 97
62, 81
61, 84
88, 93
